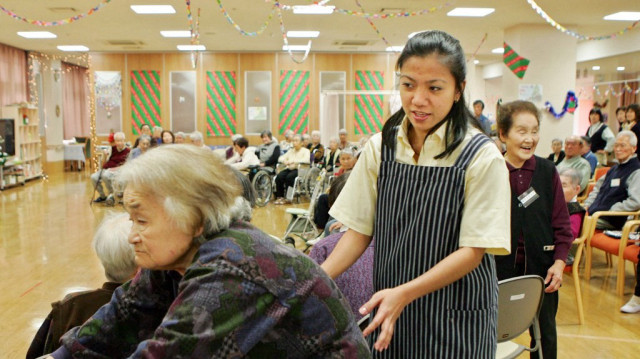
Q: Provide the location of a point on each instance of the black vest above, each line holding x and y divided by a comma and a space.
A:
608, 196
597, 143
534, 224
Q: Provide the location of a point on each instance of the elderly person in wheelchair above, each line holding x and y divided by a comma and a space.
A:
118, 157
210, 285
292, 159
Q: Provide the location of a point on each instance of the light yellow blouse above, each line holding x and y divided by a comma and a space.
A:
301, 156
487, 198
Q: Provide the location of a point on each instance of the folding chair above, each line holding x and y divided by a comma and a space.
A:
627, 251
519, 302
302, 219
580, 243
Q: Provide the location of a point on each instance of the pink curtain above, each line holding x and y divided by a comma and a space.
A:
75, 104
13, 75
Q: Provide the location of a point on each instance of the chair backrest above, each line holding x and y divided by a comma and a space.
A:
519, 301
317, 190
600, 171
585, 194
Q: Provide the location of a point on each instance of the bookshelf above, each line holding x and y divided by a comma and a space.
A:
27, 162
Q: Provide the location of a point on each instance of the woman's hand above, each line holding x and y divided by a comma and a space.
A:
390, 303
554, 276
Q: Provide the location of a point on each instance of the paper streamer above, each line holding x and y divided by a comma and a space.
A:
58, 22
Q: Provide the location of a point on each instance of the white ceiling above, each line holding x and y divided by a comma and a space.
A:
116, 28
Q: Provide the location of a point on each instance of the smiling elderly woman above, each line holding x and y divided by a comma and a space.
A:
210, 285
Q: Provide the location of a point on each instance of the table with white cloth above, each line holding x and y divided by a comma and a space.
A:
74, 158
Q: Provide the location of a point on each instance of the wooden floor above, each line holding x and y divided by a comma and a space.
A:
46, 229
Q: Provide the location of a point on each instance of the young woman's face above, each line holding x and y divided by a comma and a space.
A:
166, 138
621, 116
594, 118
427, 90
631, 115
522, 138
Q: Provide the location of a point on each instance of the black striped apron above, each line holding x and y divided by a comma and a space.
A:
418, 215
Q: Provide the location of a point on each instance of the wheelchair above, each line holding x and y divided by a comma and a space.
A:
263, 183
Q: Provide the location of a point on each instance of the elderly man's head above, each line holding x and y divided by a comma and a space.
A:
570, 179
174, 195
573, 146
119, 138
625, 145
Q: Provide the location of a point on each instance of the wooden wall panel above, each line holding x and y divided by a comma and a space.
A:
241, 62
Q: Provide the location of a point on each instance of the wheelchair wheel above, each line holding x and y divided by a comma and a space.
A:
263, 186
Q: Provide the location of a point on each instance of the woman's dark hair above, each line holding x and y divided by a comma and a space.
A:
635, 108
507, 110
173, 138
596, 110
241, 142
336, 187
452, 56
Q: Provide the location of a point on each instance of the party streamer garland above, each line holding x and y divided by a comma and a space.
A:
566, 31
570, 105
484, 38
384, 39
286, 41
242, 31
58, 22
372, 15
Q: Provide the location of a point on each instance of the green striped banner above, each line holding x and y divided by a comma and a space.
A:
221, 103
294, 101
368, 108
516, 63
145, 99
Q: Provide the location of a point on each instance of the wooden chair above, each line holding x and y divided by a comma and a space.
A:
600, 171
574, 268
627, 251
581, 198
597, 239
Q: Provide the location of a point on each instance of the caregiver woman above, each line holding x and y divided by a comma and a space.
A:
435, 191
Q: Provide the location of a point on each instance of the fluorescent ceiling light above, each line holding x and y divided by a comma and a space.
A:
312, 9
191, 47
153, 9
471, 11
37, 34
595, 68
73, 48
303, 33
498, 50
176, 33
395, 48
620, 68
475, 62
295, 47
624, 16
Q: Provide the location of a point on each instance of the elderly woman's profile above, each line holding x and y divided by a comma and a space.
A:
211, 286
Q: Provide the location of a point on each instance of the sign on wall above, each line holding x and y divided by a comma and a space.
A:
145, 99
294, 101
368, 108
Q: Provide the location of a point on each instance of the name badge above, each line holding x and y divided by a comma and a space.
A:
548, 248
615, 182
528, 197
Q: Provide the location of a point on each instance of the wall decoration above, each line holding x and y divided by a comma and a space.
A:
564, 30
368, 108
516, 63
570, 105
294, 101
221, 103
145, 99
68, 20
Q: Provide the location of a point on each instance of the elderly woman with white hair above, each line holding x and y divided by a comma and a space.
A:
110, 242
197, 139
316, 148
211, 286
119, 154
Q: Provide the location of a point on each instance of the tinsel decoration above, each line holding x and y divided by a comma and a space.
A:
570, 105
